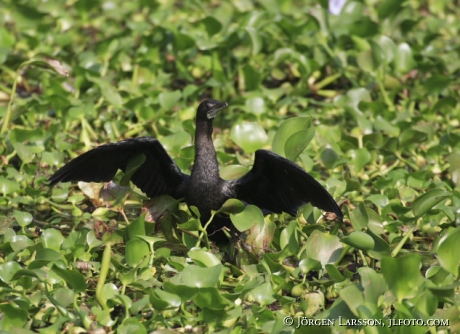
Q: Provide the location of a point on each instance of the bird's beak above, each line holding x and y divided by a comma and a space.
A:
218, 106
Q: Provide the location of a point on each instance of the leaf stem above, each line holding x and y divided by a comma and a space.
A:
402, 242
384, 93
105, 264
9, 110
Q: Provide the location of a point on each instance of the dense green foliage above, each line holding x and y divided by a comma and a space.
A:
369, 101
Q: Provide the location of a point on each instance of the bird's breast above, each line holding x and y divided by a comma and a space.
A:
206, 195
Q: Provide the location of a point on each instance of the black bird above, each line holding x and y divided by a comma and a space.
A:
274, 184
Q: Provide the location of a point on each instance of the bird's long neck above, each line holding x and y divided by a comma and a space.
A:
205, 165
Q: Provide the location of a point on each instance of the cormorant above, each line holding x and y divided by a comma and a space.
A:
274, 184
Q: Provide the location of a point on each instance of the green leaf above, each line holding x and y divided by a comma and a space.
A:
296, 143
387, 47
403, 275
232, 206
255, 105
19, 242
212, 25
231, 172
361, 157
131, 326
203, 258
52, 238
108, 91
259, 238
191, 225
373, 284
74, 279
263, 294
136, 228
436, 84
199, 277
8, 187
13, 317
35, 273
289, 128
163, 300
359, 240
334, 273
404, 60
329, 157
23, 218
186, 293
428, 200
64, 296
211, 298
255, 39
7, 270
308, 264
47, 254
249, 216
169, 99
449, 259
252, 79
249, 136
136, 251
27, 152
323, 247
289, 238
389, 7
454, 168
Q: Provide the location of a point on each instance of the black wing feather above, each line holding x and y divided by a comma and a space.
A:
278, 185
158, 174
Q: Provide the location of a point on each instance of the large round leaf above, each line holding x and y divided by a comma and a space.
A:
248, 217
249, 136
289, 128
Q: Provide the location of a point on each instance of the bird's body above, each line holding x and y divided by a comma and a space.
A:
274, 184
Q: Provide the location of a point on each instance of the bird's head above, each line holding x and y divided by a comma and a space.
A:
208, 109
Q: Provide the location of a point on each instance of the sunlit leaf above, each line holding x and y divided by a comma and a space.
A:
52, 238
404, 60
263, 294
203, 258
402, 275
289, 128
161, 299
255, 105
450, 260
249, 136
359, 240
7, 270
199, 277
249, 216
23, 218
8, 187
323, 247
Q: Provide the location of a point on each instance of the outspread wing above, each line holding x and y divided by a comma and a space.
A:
278, 185
158, 174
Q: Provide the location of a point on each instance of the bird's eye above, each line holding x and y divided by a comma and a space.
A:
211, 105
